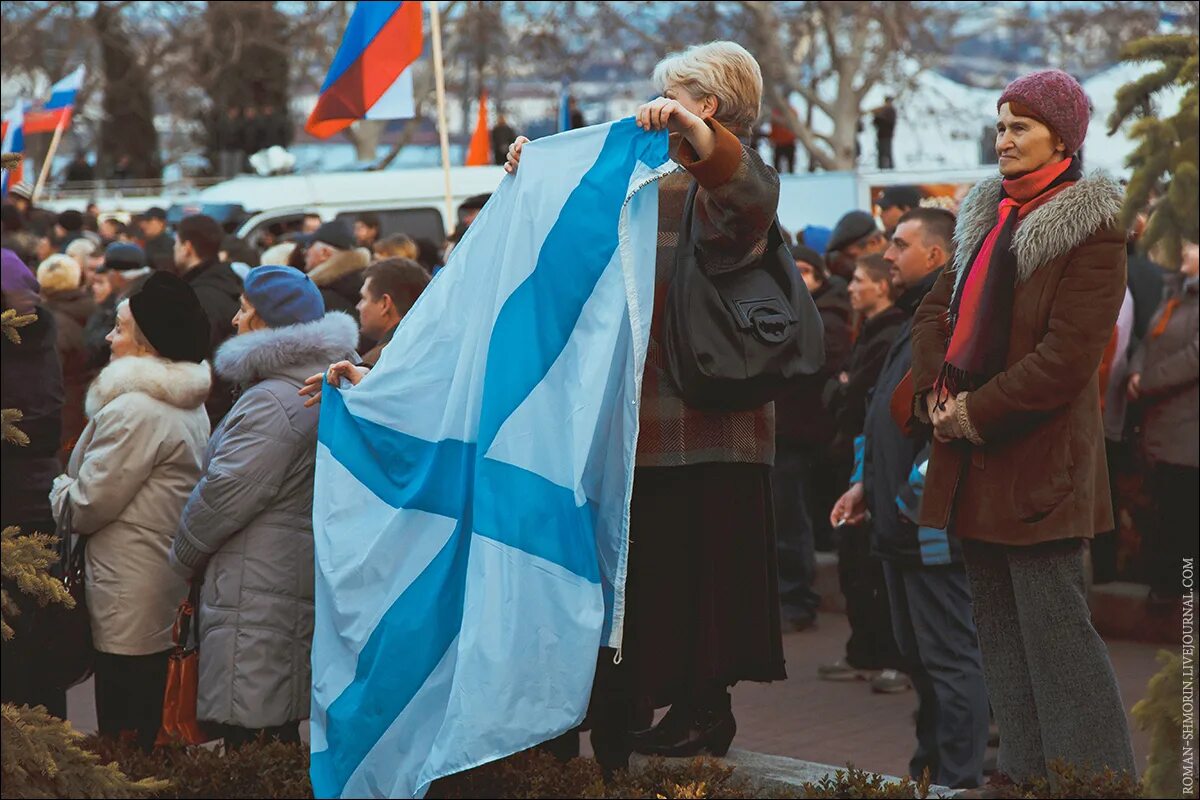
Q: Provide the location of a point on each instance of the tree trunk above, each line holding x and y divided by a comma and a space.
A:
128, 125
365, 135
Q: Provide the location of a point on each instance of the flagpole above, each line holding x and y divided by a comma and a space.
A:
440, 81
45, 173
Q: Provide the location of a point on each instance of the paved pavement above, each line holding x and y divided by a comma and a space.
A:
822, 721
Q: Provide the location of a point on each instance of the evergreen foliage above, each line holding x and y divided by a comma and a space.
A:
41, 757
1165, 160
1161, 713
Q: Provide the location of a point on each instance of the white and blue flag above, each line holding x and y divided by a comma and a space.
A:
472, 493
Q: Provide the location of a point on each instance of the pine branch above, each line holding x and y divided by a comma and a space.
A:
41, 757
11, 433
1159, 48
24, 560
11, 320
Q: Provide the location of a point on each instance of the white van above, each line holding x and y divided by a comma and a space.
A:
408, 201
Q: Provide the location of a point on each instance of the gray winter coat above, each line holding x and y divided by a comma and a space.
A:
247, 527
1170, 384
128, 479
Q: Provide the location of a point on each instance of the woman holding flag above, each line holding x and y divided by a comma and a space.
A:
702, 597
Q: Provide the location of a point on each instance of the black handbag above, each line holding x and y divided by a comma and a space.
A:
739, 339
65, 634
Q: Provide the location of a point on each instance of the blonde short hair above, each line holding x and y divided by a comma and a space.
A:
398, 245
724, 70
59, 273
81, 250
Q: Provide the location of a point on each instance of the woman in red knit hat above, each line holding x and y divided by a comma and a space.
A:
1006, 349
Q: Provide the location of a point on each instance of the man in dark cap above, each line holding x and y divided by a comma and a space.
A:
124, 270
855, 235
894, 203
336, 266
158, 243
67, 228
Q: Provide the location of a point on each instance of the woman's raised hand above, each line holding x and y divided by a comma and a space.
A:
662, 112
335, 373
514, 155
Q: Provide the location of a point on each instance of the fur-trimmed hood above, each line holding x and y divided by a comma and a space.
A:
280, 352
1054, 229
178, 383
340, 265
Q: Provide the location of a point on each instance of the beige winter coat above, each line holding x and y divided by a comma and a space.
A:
126, 484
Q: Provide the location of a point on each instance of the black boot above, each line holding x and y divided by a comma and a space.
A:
711, 728
671, 728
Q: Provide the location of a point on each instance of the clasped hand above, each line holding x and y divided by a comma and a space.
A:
944, 416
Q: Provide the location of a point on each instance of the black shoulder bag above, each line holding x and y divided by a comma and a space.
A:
65, 634
737, 340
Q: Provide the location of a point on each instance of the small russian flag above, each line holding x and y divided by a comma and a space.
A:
58, 109
370, 76
13, 134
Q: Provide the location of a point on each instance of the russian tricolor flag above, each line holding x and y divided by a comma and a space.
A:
370, 76
13, 134
58, 109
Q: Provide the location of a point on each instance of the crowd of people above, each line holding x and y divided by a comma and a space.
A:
983, 375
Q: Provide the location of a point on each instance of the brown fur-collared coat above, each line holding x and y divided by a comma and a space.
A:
1040, 474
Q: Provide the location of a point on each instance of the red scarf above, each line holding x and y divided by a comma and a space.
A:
981, 309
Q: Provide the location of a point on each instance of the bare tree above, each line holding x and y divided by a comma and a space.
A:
847, 49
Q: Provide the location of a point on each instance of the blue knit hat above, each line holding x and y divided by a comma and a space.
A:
283, 296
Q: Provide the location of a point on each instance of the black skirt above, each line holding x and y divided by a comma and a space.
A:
702, 594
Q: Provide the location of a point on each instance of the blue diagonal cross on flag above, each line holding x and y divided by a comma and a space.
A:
472, 493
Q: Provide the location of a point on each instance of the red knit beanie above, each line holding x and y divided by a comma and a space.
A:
1054, 98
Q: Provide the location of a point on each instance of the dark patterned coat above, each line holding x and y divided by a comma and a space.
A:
735, 206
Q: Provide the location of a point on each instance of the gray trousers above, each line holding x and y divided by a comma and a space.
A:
1052, 686
931, 617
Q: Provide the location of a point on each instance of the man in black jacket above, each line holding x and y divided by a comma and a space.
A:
927, 585
803, 431
197, 259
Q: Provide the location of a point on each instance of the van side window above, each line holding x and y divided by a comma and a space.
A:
416, 222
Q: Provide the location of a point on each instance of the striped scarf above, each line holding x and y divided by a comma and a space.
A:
980, 316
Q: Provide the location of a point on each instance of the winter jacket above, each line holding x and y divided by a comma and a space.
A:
848, 401
801, 418
340, 279
894, 463
30, 382
129, 476
219, 290
71, 310
247, 527
1169, 365
1040, 474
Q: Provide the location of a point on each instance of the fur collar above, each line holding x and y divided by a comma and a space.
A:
340, 265
278, 352
1053, 230
178, 383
